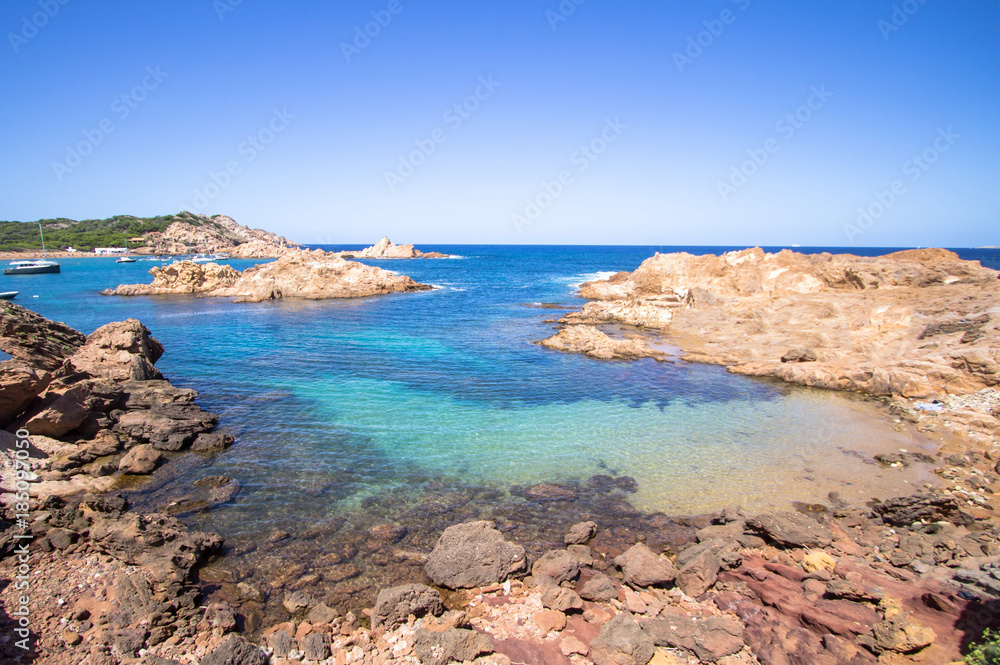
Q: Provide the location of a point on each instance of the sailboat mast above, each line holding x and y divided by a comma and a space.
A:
42, 235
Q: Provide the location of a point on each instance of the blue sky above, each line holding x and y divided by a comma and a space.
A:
713, 122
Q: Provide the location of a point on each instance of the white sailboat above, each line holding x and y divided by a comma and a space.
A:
33, 266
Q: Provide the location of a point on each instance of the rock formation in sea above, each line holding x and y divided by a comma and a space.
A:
913, 325
314, 275
386, 249
590, 341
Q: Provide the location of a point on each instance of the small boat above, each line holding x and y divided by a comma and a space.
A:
31, 267
8, 295
203, 258
125, 259
221, 257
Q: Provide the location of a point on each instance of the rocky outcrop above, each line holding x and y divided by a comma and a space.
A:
180, 278
918, 324
473, 554
595, 344
312, 275
104, 410
34, 340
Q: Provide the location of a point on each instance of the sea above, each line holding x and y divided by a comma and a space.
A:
421, 409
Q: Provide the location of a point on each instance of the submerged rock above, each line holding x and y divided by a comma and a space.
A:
591, 342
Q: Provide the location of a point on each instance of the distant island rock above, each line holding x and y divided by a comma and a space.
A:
311, 275
386, 249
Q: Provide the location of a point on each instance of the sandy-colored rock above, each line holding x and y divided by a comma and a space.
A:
590, 341
386, 249
312, 275
919, 323
141, 460
35, 340
549, 620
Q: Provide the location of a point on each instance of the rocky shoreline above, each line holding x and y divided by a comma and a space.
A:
904, 580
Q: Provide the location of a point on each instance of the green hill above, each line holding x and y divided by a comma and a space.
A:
87, 234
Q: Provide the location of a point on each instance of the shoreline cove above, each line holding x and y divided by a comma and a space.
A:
595, 567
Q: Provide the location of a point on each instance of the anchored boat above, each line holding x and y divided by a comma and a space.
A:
33, 266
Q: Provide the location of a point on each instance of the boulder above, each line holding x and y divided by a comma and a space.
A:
917, 508
599, 588
141, 460
159, 543
593, 343
313, 275
473, 554
297, 602
901, 634
62, 414
316, 647
119, 352
699, 574
791, 529
19, 385
580, 533
562, 599
34, 340
708, 638
206, 493
555, 567
393, 606
235, 651
458, 644
641, 567
212, 442
622, 642
800, 356
157, 425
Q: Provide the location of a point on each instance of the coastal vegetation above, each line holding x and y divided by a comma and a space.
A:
85, 235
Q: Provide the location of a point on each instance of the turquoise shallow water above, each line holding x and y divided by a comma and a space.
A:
333, 403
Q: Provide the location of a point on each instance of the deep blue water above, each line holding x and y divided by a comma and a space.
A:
333, 402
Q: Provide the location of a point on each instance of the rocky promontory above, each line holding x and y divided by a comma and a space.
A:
312, 275
916, 326
213, 235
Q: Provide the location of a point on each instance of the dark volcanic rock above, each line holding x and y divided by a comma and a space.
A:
433, 648
622, 642
905, 510
641, 567
473, 554
580, 533
235, 651
791, 529
394, 605
555, 567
